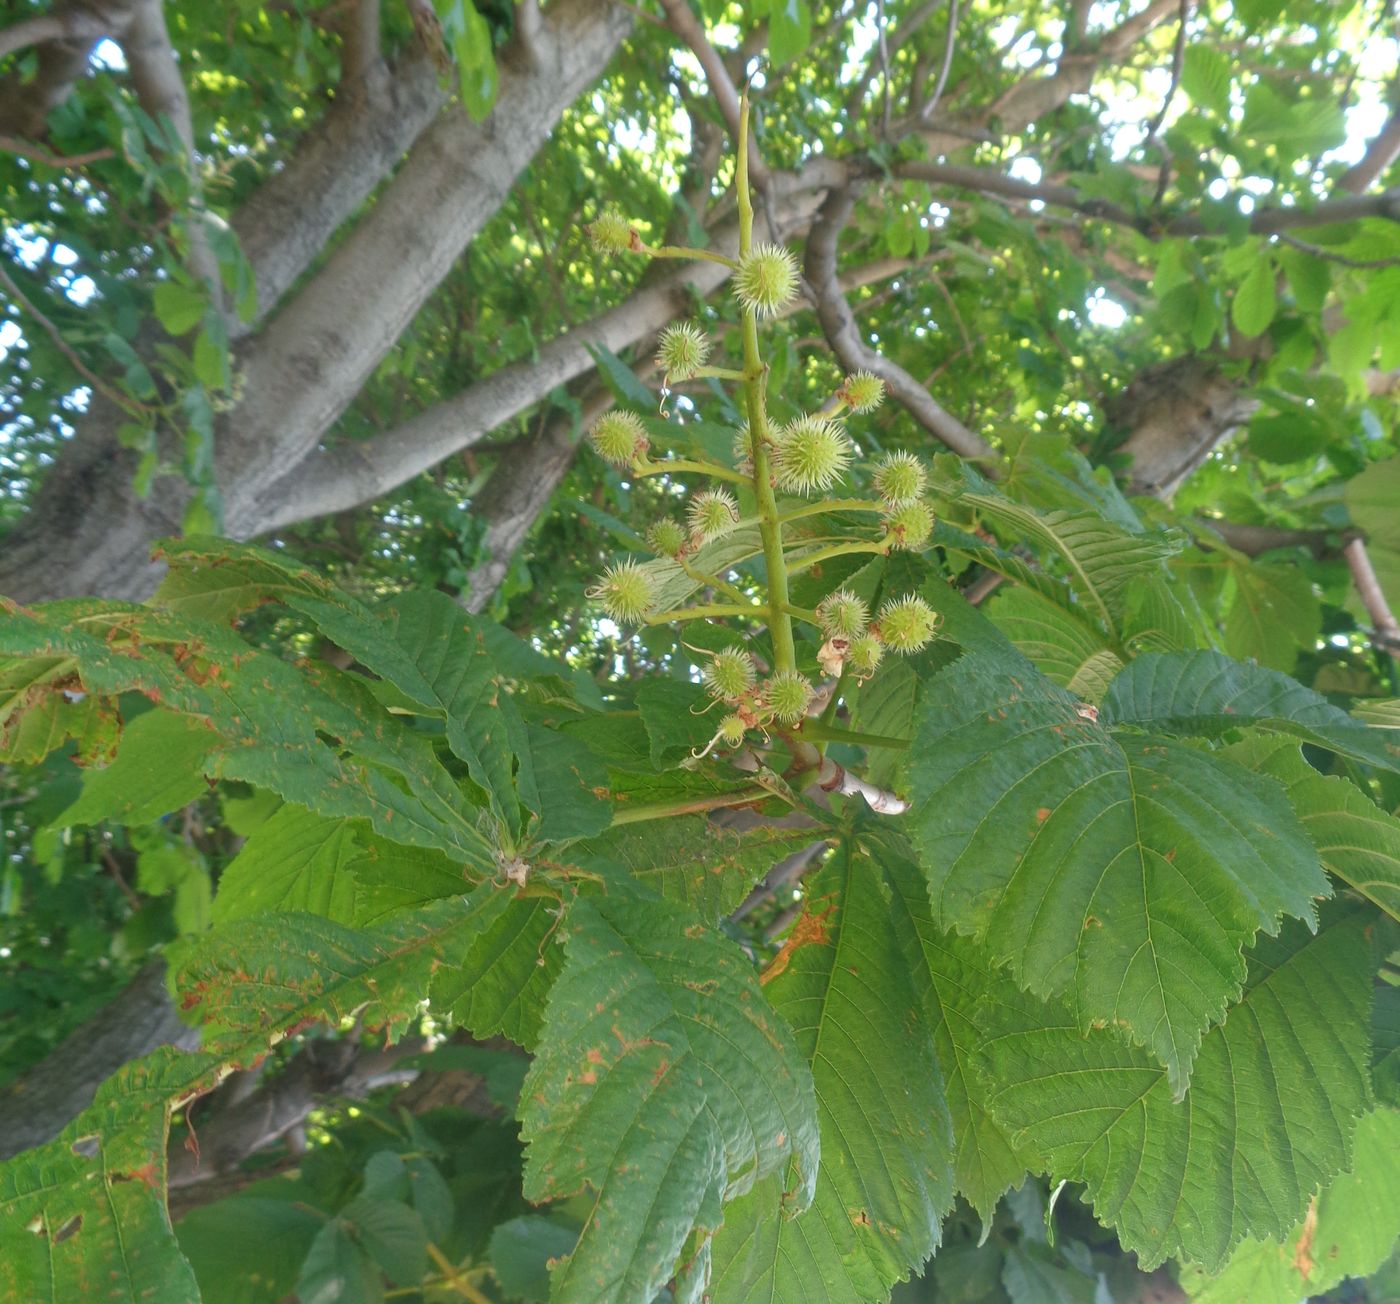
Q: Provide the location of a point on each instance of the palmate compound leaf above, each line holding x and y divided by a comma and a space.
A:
1274, 1100
83, 1217
1206, 694
844, 985
1125, 870
666, 1083
1348, 1231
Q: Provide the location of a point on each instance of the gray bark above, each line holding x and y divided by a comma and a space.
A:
38, 1106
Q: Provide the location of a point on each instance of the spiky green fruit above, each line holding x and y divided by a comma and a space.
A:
811, 453
619, 438
907, 624
713, 513
732, 730
910, 524
863, 391
730, 674
611, 233
842, 615
666, 537
626, 591
767, 279
683, 351
900, 478
787, 695
864, 655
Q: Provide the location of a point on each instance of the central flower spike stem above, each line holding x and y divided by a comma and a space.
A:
755, 383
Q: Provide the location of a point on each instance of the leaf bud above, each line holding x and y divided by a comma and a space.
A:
911, 524
907, 624
713, 513
766, 279
666, 538
787, 695
811, 453
842, 614
619, 438
900, 478
626, 591
730, 674
683, 351
862, 391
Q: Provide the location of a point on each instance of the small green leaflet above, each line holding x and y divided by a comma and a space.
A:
1106, 864
1274, 1100
665, 1082
886, 1178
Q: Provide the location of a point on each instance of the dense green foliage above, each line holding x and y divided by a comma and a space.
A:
1088, 963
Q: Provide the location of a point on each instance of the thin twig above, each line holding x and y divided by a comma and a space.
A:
1155, 126
1386, 635
123, 401
14, 145
926, 112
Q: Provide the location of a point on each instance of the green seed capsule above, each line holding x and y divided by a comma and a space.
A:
626, 591
730, 674
767, 279
683, 351
811, 454
900, 478
842, 615
713, 513
907, 624
787, 695
665, 538
619, 438
911, 524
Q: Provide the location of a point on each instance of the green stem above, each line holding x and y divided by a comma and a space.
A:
837, 550
704, 577
829, 711
669, 464
828, 732
838, 505
718, 373
751, 611
690, 806
682, 251
805, 614
756, 379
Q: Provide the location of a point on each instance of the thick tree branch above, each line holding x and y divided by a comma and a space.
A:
359, 40
285, 224
1380, 154
347, 475
305, 368
843, 335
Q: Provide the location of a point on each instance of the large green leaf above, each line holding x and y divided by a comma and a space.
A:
666, 1083
1206, 694
1268, 1120
83, 1217
1128, 870
957, 984
1349, 1231
886, 1178
1274, 614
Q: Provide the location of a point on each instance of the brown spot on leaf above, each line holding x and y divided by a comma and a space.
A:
1042, 814
1302, 1255
69, 1229
810, 930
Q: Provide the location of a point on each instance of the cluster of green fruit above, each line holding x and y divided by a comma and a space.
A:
807, 457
